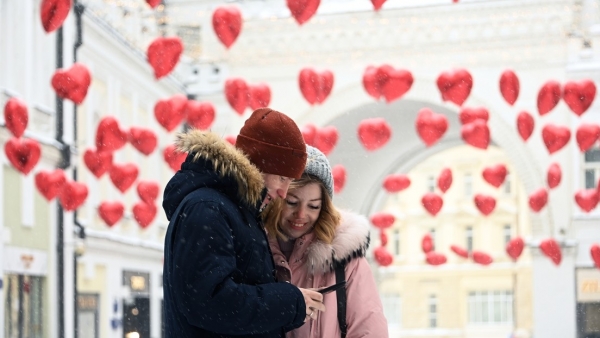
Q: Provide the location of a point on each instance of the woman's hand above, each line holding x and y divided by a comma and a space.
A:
314, 302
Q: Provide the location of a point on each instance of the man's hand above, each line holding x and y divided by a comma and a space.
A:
314, 303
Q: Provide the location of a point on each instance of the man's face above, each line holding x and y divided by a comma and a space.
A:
277, 186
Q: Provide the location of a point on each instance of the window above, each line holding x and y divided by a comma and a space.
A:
591, 167
507, 234
392, 309
507, 185
432, 311
23, 306
469, 238
468, 181
490, 307
432, 234
396, 242
431, 184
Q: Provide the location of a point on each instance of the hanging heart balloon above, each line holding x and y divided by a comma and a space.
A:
554, 175
444, 181
427, 244
236, 93
587, 199
525, 125
339, 178
595, 253
111, 212
482, 258
50, 183
259, 96
486, 204
163, 55
435, 258
459, 251
586, 135
538, 199
148, 191
98, 162
382, 256
143, 139
430, 126
509, 86
579, 95
396, 182
153, 3
53, 13
315, 86
173, 157
432, 203
548, 97
383, 238
303, 10
109, 136
514, 248
387, 82
144, 213
326, 139
495, 175
169, 113
73, 83
555, 137
23, 153
382, 220
200, 115
374, 133
377, 4
72, 195
469, 114
227, 24
476, 133
551, 249
455, 86
309, 132
16, 116
123, 175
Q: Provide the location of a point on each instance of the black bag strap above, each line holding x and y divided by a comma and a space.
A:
340, 276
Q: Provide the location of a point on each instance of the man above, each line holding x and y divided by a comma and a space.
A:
218, 278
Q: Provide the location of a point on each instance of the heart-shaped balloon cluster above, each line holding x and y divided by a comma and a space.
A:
325, 139
240, 95
170, 112
387, 82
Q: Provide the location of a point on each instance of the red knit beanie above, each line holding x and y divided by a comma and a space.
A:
273, 143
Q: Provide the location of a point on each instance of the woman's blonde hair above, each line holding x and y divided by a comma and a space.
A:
326, 224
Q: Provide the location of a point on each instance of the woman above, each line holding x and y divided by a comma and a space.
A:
309, 239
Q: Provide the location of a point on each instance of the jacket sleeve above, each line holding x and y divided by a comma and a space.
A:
204, 261
364, 311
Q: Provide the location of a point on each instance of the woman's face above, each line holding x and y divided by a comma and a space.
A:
301, 209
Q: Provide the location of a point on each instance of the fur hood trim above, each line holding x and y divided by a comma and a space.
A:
226, 160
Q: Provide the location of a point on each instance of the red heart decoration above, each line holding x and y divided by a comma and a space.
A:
432, 203
111, 212
260, 96
98, 162
587, 135
326, 138
50, 183
476, 133
387, 82
514, 248
455, 86
382, 256
555, 137
595, 253
430, 126
23, 153
551, 249
144, 213
15, 116
444, 181
554, 175
495, 175
548, 97
231, 139
587, 199
109, 136
72, 195
377, 4
200, 115
435, 258
173, 157
459, 251
309, 132
468, 114
142, 139
382, 220
163, 55
153, 3
427, 243
374, 133
339, 178
482, 258
54, 13
579, 95
171, 112
236, 93
227, 24
303, 10
148, 191
396, 183
72, 83
123, 175
383, 238
509, 86
485, 204
315, 87
525, 124
538, 199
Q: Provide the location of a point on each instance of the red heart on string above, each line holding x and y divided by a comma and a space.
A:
482, 258
432, 203
495, 175
163, 55
595, 253
538, 199
111, 212
435, 258
555, 137
374, 133
383, 220
579, 95
98, 162
153, 3
548, 97
485, 204
476, 133
109, 136
326, 139
173, 157
554, 175
383, 238
377, 4
144, 213
16, 116
525, 124
72, 195
23, 153
430, 126
587, 135
315, 87
509, 86
231, 139
303, 10
396, 183
227, 24
444, 181
309, 132
50, 183
455, 86
72, 83
587, 199
123, 175
551, 249
459, 251
200, 115
260, 96
427, 243
339, 178
236, 93
170, 112
148, 191
468, 114
54, 13
514, 248
142, 139
387, 82
382, 256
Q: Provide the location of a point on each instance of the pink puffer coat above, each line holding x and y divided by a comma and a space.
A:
311, 266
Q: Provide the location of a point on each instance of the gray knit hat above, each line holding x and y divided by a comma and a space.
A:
317, 165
